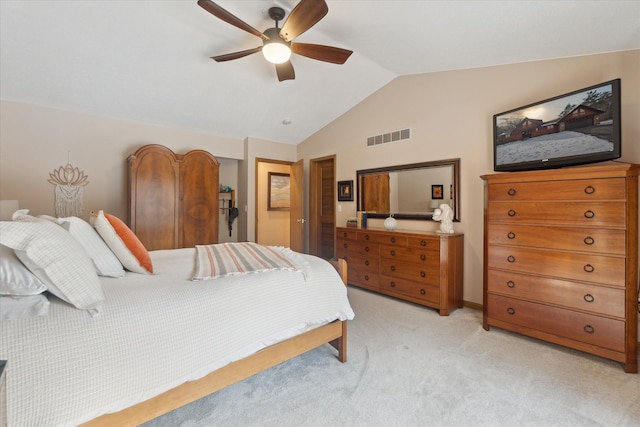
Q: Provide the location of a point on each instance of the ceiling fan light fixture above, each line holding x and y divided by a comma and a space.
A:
274, 49
276, 52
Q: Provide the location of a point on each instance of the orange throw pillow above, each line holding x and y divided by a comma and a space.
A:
123, 242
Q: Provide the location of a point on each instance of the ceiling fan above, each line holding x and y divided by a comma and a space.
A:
277, 45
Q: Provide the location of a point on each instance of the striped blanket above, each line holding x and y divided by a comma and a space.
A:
227, 259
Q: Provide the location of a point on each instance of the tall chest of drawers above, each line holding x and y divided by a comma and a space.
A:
424, 268
561, 257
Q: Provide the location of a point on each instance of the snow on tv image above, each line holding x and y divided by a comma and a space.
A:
579, 127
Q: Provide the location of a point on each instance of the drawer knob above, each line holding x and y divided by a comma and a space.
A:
366, 277
392, 284
589, 240
511, 212
511, 259
423, 257
589, 189
423, 243
511, 192
589, 268
366, 262
589, 329
393, 268
393, 252
511, 235
422, 292
344, 234
589, 214
393, 240
511, 311
366, 248
423, 274
511, 284
344, 245
589, 298
366, 237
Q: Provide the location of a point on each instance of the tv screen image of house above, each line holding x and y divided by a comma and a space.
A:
574, 128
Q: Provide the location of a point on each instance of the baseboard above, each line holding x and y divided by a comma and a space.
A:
473, 305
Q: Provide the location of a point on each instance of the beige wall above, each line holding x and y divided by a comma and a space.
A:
450, 115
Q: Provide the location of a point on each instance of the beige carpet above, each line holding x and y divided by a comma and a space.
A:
410, 367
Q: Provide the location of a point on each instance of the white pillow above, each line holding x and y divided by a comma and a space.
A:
105, 262
22, 215
123, 242
15, 278
22, 307
57, 259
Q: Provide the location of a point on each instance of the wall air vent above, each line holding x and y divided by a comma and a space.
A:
386, 138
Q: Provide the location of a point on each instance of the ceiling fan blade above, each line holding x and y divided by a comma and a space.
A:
236, 55
304, 16
320, 52
285, 71
229, 18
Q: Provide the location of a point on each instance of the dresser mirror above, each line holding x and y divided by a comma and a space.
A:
411, 191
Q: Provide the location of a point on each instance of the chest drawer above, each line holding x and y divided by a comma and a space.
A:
424, 243
587, 328
566, 265
363, 262
408, 254
567, 238
365, 278
415, 290
346, 234
426, 272
358, 247
385, 238
599, 300
578, 189
587, 214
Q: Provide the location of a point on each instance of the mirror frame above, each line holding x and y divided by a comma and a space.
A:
424, 165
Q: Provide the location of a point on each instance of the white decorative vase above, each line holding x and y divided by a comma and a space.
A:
390, 223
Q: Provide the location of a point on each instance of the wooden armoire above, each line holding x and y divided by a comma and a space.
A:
173, 198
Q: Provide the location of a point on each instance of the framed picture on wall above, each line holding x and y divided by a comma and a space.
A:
345, 191
437, 191
279, 194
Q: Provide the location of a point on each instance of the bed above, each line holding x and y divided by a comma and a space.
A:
162, 340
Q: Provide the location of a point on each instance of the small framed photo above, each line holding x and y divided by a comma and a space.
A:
345, 191
279, 197
437, 192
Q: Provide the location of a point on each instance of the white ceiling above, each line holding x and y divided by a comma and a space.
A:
148, 61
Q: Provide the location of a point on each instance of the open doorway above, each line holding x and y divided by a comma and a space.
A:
273, 202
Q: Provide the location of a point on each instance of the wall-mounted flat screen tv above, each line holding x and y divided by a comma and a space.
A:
576, 128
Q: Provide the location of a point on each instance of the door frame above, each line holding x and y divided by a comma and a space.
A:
315, 201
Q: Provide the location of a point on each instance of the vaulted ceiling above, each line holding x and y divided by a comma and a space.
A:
149, 61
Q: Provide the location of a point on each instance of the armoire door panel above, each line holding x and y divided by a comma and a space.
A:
154, 188
199, 190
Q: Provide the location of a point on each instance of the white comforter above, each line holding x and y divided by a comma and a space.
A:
154, 333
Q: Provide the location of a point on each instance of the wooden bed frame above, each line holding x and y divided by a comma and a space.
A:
334, 333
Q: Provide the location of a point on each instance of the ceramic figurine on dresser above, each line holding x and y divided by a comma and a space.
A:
444, 214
